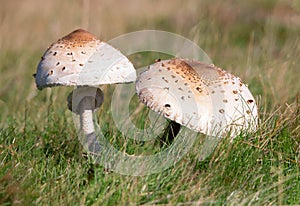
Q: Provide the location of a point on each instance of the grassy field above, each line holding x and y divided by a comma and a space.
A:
42, 161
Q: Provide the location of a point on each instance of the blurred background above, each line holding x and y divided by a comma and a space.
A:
257, 40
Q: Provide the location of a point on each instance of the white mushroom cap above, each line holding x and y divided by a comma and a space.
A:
199, 96
81, 59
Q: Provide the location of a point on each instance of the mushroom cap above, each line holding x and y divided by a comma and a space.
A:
81, 59
199, 96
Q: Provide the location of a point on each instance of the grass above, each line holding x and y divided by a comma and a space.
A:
42, 161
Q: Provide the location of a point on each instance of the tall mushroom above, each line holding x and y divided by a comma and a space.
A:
199, 96
80, 59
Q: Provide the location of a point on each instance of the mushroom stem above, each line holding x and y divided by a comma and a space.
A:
169, 134
86, 110
86, 115
84, 101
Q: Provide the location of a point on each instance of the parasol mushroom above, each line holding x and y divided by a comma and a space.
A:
80, 59
197, 95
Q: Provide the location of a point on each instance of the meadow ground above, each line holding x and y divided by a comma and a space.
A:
42, 161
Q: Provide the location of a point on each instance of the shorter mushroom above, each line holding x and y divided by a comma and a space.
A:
199, 96
80, 59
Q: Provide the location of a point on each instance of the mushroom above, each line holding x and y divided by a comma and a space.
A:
80, 59
197, 95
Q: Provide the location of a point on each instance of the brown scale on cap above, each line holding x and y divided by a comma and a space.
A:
79, 35
77, 38
185, 71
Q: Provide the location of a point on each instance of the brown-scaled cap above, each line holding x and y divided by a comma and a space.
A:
81, 59
199, 96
